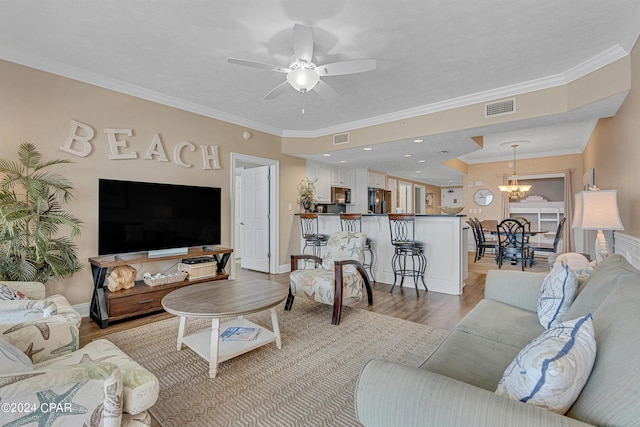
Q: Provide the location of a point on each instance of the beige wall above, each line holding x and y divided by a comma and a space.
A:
491, 176
614, 152
37, 107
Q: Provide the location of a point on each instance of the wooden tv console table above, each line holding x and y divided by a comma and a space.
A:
109, 306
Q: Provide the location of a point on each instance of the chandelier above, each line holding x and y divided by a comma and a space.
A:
514, 190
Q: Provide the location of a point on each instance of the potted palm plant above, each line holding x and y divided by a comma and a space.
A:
36, 234
306, 191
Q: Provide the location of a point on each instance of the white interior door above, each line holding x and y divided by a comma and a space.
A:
239, 231
255, 219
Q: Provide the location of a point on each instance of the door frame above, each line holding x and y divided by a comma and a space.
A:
274, 214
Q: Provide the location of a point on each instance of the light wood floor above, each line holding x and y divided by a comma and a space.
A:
430, 308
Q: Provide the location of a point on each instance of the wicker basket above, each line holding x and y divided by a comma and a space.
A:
166, 279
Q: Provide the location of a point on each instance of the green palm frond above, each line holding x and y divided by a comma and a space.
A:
32, 220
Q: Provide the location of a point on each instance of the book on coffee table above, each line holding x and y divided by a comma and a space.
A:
239, 333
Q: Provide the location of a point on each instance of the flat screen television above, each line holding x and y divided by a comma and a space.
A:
160, 218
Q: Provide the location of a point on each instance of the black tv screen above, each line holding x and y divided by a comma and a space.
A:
144, 216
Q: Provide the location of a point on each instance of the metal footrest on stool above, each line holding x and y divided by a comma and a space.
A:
409, 262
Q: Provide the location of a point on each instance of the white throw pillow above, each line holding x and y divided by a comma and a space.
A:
556, 295
551, 371
12, 360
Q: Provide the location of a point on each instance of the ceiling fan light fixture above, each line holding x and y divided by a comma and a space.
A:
303, 79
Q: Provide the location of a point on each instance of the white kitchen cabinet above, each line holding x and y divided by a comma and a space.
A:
377, 180
321, 174
342, 178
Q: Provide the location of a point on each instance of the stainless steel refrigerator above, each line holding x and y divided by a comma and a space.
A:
379, 201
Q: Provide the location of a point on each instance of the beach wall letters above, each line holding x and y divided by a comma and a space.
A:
79, 143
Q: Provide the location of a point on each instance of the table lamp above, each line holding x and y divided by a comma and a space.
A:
597, 210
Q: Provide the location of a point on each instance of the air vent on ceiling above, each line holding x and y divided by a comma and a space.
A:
341, 138
506, 106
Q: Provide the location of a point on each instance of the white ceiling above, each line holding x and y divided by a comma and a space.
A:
428, 53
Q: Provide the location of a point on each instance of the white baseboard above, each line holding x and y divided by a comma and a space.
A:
628, 247
284, 268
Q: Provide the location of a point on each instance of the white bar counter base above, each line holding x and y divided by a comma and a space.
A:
445, 246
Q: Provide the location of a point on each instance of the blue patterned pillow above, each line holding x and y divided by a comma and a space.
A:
556, 295
551, 371
12, 360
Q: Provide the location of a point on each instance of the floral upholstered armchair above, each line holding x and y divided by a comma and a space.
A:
337, 276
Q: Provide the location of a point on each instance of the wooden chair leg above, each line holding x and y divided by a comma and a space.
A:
337, 296
289, 303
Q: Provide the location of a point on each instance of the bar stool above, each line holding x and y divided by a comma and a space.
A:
406, 248
353, 222
310, 234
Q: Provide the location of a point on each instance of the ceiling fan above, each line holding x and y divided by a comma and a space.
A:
302, 73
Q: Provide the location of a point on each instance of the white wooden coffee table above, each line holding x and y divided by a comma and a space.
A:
220, 299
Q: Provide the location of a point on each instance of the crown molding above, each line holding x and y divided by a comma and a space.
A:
598, 61
104, 82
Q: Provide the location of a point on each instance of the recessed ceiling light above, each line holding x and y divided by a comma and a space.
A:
418, 171
406, 155
343, 161
327, 155
418, 140
422, 161
367, 149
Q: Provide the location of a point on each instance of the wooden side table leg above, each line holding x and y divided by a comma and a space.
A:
183, 322
276, 327
215, 344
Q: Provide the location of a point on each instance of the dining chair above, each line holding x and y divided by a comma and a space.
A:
512, 242
551, 248
482, 244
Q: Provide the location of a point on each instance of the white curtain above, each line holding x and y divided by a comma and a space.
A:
506, 211
567, 234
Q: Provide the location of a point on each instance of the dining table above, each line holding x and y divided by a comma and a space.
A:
527, 233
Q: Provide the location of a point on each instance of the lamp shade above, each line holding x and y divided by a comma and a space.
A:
597, 210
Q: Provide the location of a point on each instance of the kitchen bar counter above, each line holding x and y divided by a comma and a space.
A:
445, 243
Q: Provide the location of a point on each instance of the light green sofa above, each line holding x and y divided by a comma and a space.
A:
455, 385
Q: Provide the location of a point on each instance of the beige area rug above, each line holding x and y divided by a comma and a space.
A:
309, 382
488, 262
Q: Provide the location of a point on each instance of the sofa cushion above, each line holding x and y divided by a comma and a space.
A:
552, 370
141, 387
611, 396
593, 291
12, 360
501, 323
9, 294
471, 359
556, 295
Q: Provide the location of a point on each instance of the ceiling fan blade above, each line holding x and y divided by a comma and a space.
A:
346, 67
278, 90
325, 90
303, 43
256, 64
